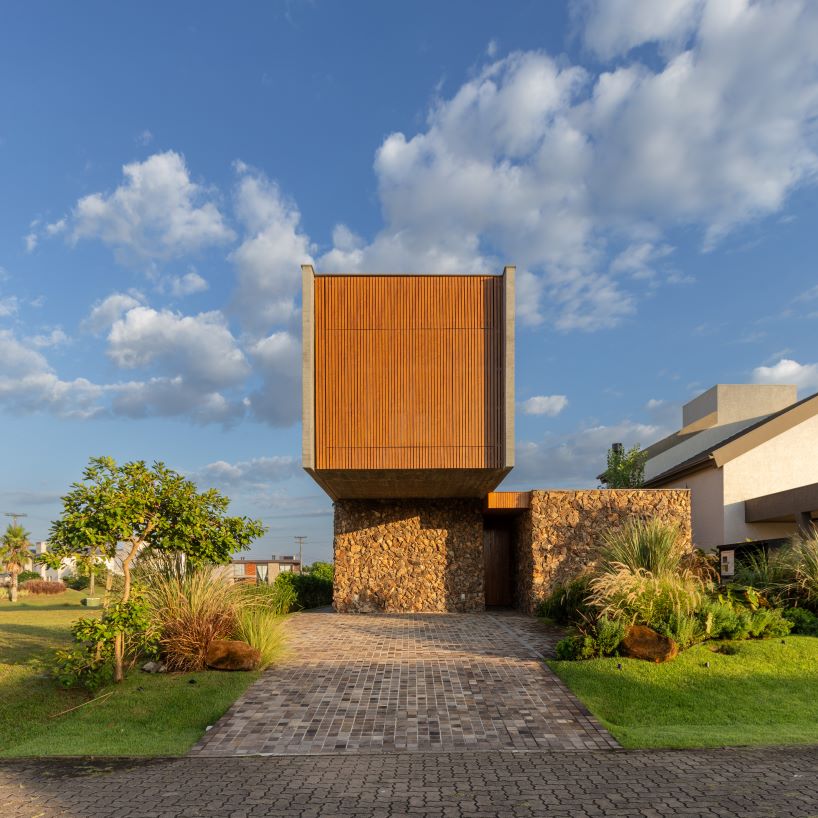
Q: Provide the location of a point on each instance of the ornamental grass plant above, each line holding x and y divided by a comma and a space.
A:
651, 545
189, 612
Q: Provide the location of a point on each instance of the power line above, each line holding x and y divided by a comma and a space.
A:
14, 515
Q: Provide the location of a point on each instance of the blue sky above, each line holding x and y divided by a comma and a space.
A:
649, 167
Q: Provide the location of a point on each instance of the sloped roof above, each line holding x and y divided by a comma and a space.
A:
720, 444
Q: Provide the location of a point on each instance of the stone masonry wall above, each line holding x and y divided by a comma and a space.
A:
559, 537
408, 555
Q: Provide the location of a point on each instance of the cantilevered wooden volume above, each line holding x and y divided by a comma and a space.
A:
408, 383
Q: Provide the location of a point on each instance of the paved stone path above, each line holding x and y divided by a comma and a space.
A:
408, 683
747, 783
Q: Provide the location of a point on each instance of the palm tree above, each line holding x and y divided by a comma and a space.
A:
14, 554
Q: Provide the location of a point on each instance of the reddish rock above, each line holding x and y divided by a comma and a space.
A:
642, 642
231, 654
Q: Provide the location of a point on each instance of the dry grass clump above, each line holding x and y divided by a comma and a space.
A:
650, 545
189, 612
638, 595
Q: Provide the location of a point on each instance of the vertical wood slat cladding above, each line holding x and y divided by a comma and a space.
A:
409, 372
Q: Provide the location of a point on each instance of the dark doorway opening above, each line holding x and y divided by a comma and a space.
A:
499, 562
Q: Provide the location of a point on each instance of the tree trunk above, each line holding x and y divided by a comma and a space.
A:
92, 583
13, 589
119, 642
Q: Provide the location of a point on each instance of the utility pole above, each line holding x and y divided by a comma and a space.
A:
300, 542
14, 515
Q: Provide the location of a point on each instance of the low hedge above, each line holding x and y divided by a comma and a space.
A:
311, 591
43, 586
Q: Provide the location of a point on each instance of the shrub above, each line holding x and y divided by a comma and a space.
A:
684, 629
804, 622
78, 583
261, 628
769, 571
322, 570
188, 613
310, 591
25, 576
567, 604
640, 596
720, 620
278, 598
597, 639
43, 586
804, 561
89, 662
644, 545
769, 623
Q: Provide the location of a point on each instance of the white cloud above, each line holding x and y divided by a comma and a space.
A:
9, 305
277, 360
268, 260
187, 284
787, 371
55, 338
200, 347
550, 405
616, 26
145, 137
578, 178
104, 313
157, 213
256, 473
574, 460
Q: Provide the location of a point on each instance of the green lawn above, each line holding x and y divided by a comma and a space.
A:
149, 714
765, 694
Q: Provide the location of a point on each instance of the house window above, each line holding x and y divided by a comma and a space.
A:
284, 569
238, 570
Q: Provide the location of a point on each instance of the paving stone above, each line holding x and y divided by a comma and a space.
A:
408, 683
762, 782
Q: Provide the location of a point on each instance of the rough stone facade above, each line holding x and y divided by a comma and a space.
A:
408, 555
427, 555
559, 537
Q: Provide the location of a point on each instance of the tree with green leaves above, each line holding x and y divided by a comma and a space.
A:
15, 552
626, 469
118, 511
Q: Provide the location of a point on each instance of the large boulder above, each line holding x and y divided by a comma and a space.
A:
642, 642
231, 654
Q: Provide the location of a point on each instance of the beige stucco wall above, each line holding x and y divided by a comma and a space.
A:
706, 505
787, 461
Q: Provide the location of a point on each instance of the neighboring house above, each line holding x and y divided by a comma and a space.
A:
408, 425
749, 455
262, 571
68, 567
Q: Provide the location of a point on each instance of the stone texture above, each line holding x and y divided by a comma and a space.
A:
231, 654
641, 642
408, 555
427, 555
419, 683
559, 537
750, 783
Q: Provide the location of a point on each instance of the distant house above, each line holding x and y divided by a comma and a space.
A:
749, 455
262, 570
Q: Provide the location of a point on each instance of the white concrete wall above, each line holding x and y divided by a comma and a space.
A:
787, 461
706, 506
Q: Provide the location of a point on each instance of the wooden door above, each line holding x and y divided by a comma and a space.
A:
497, 559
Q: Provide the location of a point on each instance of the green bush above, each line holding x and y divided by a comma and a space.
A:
601, 638
767, 623
567, 604
310, 591
684, 629
322, 570
24, 576
803, 622
804, 558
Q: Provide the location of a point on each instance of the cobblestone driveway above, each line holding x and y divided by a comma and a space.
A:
408, 683
746, 783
